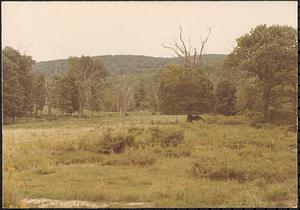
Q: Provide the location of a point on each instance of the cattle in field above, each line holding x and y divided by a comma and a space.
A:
192, 118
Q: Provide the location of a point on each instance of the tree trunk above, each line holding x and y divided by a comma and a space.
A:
266, 101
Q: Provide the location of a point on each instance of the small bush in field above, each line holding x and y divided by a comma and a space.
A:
153, 113
115, 141
126, 114
135, 131
225, 173
176, 152
166, 138
218, 173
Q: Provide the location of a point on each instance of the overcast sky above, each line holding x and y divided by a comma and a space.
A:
54, 30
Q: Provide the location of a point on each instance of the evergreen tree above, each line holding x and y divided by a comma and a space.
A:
17, 83
68, 102
39, 93
12, 90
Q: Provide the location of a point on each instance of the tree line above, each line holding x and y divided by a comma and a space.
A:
259, 74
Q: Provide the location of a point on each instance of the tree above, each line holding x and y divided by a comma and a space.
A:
17, 84
182, 50
267, 55
225, 98
12, 89
185, 91
39, 93
68, 102
52, 93
139, 94
124, 93
94, 100
87, 73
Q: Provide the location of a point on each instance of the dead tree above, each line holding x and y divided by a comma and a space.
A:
191, 58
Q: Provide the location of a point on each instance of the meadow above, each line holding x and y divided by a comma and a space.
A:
167, 162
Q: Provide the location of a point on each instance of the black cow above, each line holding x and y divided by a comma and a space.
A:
192, 118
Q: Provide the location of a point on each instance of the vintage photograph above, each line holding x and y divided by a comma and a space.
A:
148, 104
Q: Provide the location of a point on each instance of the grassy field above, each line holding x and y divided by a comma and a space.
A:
222, 162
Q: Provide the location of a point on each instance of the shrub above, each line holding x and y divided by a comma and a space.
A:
225, 173
215, 170
166, 138
238, 169
115, 141
153, 113
176, 152
126, 114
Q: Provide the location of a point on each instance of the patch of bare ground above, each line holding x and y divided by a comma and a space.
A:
52, 203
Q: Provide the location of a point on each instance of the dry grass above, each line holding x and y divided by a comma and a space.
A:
221, 163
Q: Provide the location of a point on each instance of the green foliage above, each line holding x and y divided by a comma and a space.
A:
139, 95
39, 94
115, 64
171, 137
68, 102
225, 98
17, 83
143, 70
185, 91
87, 74
267, 55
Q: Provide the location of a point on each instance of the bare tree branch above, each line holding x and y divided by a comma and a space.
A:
203, 44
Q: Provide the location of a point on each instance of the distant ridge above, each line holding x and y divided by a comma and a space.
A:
116, 64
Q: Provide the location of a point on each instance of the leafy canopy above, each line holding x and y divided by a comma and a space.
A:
185, 91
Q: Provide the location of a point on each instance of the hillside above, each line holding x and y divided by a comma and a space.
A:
116, 64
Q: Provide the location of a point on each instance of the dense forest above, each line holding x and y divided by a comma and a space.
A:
116, 64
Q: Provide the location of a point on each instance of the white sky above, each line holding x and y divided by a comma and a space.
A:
54, 30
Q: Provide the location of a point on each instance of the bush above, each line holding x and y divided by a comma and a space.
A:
215, 170
176, 152
166, 138
237, 169
153, 113
115, 141
126, 114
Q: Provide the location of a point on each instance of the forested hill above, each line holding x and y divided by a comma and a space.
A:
126, 63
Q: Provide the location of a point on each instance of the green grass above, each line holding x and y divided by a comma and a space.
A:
224, 162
